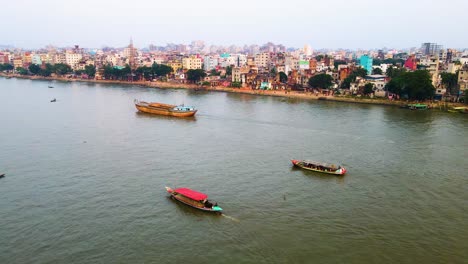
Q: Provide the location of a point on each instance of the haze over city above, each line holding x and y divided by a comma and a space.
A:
362, 24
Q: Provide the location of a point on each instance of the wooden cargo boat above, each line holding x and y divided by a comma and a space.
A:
165, 109
319, 167
194, 199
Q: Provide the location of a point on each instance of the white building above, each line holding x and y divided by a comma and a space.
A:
209, 63
192, 63
72, 59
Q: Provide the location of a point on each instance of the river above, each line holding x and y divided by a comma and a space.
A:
85, 179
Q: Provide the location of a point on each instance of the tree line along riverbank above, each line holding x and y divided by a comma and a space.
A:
278, 93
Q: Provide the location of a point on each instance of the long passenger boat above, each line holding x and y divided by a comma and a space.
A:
319, 167
194, 199
165, 109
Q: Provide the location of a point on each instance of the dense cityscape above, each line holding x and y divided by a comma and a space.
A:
233, 132
428, 72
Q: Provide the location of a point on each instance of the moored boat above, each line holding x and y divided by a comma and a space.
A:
418, 106
319, 167
194, 199
165, 109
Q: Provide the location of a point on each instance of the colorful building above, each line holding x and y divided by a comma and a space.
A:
366, 62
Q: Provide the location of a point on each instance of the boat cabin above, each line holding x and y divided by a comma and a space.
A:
184, 108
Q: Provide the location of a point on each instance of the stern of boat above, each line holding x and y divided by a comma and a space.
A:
216, 209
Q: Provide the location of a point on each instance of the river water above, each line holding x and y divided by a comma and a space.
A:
85, 179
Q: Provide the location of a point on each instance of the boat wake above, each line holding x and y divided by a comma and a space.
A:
231, 218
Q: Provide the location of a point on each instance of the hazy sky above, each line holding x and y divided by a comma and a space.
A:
322, 24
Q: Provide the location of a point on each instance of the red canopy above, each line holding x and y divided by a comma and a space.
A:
194, 195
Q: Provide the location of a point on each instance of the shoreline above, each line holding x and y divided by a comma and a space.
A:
275, 93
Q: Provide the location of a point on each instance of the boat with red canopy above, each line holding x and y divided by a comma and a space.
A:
319, 167
194, 199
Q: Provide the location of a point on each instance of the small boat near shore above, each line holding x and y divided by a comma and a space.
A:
165, 109
194, 199
461, 109
319, 167
416, 106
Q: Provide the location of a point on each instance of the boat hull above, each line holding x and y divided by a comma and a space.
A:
164, 111
299, 163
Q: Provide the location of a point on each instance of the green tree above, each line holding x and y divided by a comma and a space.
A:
273, 72
34, 69
6, 67
320, 81
450, 81
144, 72
339, 62
47, 71
368, 88
90, 70
229, 70
415, 85
22, 71
161, 69
319, 57
394, 72
214, 72
195, 75
377, 71
62, 68
236, 84
283, 77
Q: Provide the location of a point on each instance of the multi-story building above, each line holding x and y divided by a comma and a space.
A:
210, 63
262, 59
176, 65
131, 54
463, 79
430, 49
192, 63
4, 58
59, 58
18, 62
366, 62
27, 59
72, 59
36, 59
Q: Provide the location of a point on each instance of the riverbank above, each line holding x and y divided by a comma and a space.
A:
277, 93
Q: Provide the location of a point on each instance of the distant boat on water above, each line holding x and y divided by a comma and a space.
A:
51, 86
2, 175
53, 100
165, 109
319, 167
416, 106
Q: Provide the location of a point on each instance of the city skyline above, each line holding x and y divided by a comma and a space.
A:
336, 24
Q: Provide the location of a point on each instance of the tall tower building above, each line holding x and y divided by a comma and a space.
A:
130, 52
430, 49
307, 50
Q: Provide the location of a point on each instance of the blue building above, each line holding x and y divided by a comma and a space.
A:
366, 63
